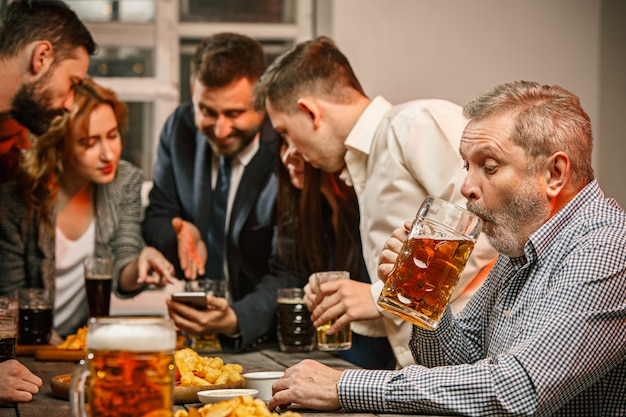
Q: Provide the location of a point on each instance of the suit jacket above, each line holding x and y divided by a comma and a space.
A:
182, 188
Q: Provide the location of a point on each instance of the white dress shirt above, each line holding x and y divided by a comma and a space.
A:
398, 155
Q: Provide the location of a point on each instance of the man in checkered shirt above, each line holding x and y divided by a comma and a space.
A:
546, 334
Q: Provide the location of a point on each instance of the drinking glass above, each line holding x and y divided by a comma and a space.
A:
295, 329
98, 280
35, 316
8, 303
341, 340
430, 263
206, 343
8, 337
128, 370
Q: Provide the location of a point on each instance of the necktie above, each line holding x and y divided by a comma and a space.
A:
216, 238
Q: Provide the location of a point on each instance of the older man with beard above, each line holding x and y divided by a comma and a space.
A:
544, 335
212, 206
44, 53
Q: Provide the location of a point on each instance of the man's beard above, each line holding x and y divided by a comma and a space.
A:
245, 138
506, 229
31, 107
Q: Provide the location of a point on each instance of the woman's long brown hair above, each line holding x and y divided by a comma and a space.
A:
303, 223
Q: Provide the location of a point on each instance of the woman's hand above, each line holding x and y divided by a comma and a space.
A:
153, 268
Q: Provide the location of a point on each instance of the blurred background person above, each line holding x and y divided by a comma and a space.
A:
75, 198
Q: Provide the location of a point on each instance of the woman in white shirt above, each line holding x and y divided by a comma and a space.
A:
77, 198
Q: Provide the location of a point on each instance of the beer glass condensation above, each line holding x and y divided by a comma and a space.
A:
129, 368
430, 263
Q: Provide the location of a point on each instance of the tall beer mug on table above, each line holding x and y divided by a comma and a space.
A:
430, 263
128, 370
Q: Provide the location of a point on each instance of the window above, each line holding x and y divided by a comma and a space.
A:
144, 50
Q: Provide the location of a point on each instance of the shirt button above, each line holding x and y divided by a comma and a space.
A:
507, 313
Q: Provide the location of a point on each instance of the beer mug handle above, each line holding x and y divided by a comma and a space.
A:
77, 390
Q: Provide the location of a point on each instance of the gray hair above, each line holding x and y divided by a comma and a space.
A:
547, 119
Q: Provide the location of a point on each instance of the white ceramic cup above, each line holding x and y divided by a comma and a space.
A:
262, 381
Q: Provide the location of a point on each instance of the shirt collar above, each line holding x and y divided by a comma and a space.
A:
543, 237
244, 156
362, 134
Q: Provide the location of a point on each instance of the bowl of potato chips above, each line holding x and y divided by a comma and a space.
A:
195, 373
242, 406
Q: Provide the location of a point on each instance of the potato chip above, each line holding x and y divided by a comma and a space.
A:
195, 370
244, 406
76, 341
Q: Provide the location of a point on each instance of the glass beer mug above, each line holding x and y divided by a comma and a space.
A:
128, 370
430, 263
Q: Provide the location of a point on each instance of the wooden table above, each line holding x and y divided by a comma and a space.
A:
268, 358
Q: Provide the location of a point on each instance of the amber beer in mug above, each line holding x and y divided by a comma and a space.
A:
129, 368
430, 263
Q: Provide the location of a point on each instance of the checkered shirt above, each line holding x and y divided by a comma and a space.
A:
545, 335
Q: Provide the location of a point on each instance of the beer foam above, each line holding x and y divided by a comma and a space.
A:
144, 337
285, 300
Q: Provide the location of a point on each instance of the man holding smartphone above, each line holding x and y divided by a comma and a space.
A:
212, 207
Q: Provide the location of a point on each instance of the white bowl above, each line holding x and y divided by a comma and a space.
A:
215, 395
262, 381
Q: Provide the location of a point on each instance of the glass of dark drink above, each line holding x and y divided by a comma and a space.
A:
430, 263
35, 316
128, 370
98, 280
295, 329
8, 337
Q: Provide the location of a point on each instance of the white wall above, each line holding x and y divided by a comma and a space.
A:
456, 49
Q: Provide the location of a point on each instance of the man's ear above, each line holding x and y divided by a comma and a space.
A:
42, 57
557, 172
312, 110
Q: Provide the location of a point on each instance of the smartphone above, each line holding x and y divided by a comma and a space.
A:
194, 299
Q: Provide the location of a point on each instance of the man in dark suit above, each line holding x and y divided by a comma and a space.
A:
219, 140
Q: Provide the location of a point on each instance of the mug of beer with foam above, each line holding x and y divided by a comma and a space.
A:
430, 263
128, 370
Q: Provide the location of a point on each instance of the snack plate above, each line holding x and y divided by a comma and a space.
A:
215, 395
60, 387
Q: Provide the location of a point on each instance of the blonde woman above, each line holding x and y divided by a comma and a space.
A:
76, 198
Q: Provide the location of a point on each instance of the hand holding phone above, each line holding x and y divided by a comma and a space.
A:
195, 299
